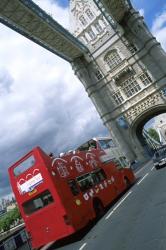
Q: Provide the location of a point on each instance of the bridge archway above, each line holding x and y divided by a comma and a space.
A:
136, 135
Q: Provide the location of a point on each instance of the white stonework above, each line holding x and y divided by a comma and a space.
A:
160, 126
87, 22
125, 73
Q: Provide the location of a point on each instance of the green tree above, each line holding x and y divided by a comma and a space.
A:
15, 214
154, 134
5, 223
8, 219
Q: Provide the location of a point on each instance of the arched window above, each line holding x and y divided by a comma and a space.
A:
89, 14
112, 59
91, 34
83, 20
104, 21
98, 27
84, 39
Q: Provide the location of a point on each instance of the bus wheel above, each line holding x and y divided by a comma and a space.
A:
99, 208
127, 182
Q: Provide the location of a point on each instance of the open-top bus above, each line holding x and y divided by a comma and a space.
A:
108, 146
59, 196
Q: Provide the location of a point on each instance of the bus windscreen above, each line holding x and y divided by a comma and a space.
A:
25, 165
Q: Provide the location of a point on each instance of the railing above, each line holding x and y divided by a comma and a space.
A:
151, 141
18, 240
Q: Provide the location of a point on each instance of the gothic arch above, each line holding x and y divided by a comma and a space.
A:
137, 126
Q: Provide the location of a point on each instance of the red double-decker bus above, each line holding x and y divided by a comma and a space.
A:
59, 196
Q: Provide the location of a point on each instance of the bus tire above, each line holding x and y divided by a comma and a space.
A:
98, 208
127, 182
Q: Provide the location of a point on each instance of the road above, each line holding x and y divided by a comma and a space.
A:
136, 221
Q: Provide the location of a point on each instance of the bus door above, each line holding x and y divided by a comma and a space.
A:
79, 201
117, 175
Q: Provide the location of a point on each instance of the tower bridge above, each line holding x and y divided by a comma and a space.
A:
26, 18
113, 53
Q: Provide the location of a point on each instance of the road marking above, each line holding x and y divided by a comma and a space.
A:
139, 170
152, 168
142, 178
47, 246
108, 216
82, 246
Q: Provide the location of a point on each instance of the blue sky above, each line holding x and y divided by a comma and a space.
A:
151, 7
63, 3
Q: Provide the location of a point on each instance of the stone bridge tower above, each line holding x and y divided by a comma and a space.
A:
125, 72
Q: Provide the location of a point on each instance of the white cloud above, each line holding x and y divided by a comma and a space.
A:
41, 101
5, 81
142, 12
159, 28
55, 11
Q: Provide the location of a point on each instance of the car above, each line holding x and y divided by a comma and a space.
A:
159, 158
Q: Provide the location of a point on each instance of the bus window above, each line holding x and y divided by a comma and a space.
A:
106, 144
25, 165
101, 174
92, 144
95, 177
85, 182
38, 202
88, 145
117, 163
84, 147
98, 176
73, 186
